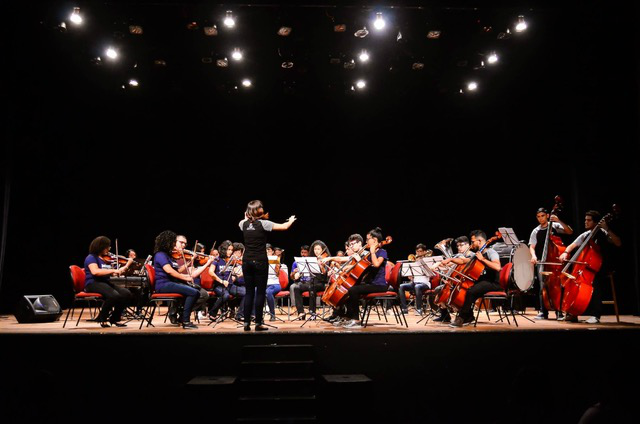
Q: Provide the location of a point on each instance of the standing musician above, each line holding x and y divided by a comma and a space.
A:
378, 283
98, 269
298, 277
169, 278
221, 273
462, 244
603, 237
536, 245
316, 282
255, 266
418, 285
487, 282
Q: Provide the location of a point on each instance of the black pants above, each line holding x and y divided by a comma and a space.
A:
115, 300
595, 305
474, 293
312, 287
353, 302
256, 274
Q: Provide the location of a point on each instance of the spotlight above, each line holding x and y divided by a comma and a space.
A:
112, 53
287, 65
211, 31
492, 58
192, 26
236, 55
284, 31
229, 21
246, 83
361, 84
351, 64
135, 30
521, 25
222, 63
339, 28
62, 27
133, 82
75, 16
361, 33
364, 56
159, 62
417, 66
379, 23
434, 35
472, 86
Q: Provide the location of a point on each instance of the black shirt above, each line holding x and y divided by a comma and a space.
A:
255, 239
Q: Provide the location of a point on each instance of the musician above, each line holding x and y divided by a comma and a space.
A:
222, 276
273, 281
377, 282
316, 282
417, 285
188, 267
536, 246
353, 245
237, 289
255, 267
169, 278
602, 238
97, 273
462, 244
298, 277
487, 282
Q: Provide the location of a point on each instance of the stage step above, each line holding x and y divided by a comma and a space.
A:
278, 385
277, 352
288, 368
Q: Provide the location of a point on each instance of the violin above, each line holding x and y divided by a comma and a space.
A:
111, 257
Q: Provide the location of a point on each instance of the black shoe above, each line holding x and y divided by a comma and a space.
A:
559, 315
541, 315
469, 320
458, 322
261, 327
189, 325
247, 326
173, 318
104, 324
118, 324
445, 319
272, 318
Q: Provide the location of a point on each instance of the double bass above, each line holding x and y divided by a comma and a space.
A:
585, 264
349, 274
550, 267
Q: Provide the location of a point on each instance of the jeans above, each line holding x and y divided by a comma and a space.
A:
115, 298
191, 296
256, 274
272, 290
417, 288
222, 297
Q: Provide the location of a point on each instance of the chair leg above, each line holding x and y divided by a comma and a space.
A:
67, 317
615, 299
80, 316
475, 324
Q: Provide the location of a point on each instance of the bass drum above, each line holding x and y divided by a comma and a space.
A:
523, 271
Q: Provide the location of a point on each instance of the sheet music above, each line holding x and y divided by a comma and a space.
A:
509, 236
308, 264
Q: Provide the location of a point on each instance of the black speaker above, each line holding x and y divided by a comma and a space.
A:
38, 308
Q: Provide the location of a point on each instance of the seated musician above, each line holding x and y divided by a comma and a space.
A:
140, 294
604, 237
222, 276
315, 284
418, 285
353, 245
536, 246
487, 282
377, 282
97, 273
169, 279
297, 276
188, 267
273, 281
462, 244
238, 289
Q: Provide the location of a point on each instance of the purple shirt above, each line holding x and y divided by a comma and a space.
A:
379, 279
89, 277
160, 259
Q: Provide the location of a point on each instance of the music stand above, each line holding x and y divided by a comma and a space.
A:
510, 239
310, 266
424, 266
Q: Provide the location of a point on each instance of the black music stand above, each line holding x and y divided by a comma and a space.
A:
309, 265
511, 240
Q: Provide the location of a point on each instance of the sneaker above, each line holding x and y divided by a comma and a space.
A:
173, 318
418, 312
189, 325
446, 319
352, 323
593, 320
272, 317
559, 315
201, 315
469, 320
541, 315
568, 318
389, 311
338, 322
458, 322
405, 311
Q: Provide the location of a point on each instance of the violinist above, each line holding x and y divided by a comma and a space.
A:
602, 238
377, 281
140, 294
221, 273
417, 285
462, 244
487, 282
98, 269
255, 267
536, 245
169, 279
316, 282
187, 266
298, 277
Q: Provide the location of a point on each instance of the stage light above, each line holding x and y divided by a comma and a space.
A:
434, 35
112, 53
246, 83
229, 20
133, 82
379, 23
521, 25
62, 27
492, 58
222, 63
364, 56
75, 17
339, 28
135, 30
361, 33
287, 65
192, 26
236, 55
211, 31
361, 84
284, 31
472, 86
417, 66
350, 64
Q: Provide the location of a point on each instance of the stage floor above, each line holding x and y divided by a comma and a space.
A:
377, 325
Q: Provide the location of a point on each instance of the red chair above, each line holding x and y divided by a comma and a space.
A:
373, 299
284, 293
78, 279
156, 297
498, 296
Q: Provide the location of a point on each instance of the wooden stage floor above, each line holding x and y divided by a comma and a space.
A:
9, 325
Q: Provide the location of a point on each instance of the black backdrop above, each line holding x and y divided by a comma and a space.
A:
82, 160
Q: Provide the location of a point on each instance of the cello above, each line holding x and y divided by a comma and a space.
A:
350, 274
550, 267
585, 264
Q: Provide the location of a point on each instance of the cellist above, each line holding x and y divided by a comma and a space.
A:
487, 282
601, 238
536, 245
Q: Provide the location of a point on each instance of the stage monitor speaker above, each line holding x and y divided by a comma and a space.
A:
38, 308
